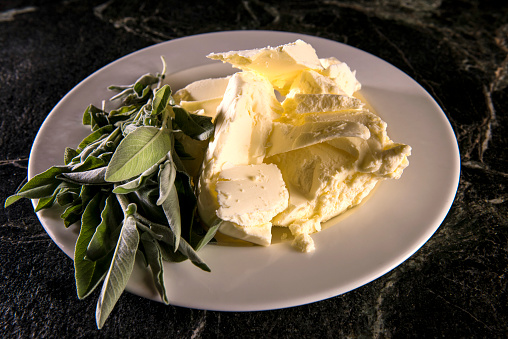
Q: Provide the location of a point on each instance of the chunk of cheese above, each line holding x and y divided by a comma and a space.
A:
280, 65
242, 126
319, 152
202, 96
251, 195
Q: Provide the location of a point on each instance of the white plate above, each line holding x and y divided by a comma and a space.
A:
395, 222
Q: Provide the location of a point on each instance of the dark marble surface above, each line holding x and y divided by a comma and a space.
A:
454, 286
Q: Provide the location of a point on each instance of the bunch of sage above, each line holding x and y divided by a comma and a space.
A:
126, 186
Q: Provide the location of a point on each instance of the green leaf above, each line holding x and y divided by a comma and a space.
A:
96, 136
105, 236
154, 257
209, 234
46, 202
67, 195
185, 248
72, 214
69, 154
134, 184
91, 177
90, 163
195, 126
143, 84
167, 174
125, 111
88, 192
95, 117
120, 270
137, 152
64, 189
161, 99
85, 273
40, 186
171, 208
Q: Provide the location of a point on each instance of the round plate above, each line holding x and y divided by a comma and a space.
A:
387, 229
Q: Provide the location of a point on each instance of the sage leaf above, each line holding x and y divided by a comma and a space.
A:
45, 202
69, 154
66, 196
167, 174
72, 214
91, 177
124, 111
95, 117
124, 92
145, 198
120, 270
209, 234
171, 208
134, 184
85, 272
142, 85
185, 248
161, 99
153, 256
105, 236
147, 229
40, 186
90, 162
198, 127
97, 135
137, 152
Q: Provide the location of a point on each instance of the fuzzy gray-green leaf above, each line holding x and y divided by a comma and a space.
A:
161, 99
137, 152
105, 236
154, 257
84, 270
171, 208
120, 270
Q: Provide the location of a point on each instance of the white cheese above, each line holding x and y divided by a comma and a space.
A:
202, 96
299, 103
251, 195
258, 234
280, 65
286, 137
316, 155
242, 126
304, 243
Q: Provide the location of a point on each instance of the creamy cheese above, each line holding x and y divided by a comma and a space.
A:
295, 163
280, 65
242, 126
249, 196
202, 96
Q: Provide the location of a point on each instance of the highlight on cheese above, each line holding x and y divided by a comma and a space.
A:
294, 162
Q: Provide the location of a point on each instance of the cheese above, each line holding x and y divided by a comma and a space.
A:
304, 243
295, 163
251, 195
286, 137
202, 96
280, 65
242, 126
259, 234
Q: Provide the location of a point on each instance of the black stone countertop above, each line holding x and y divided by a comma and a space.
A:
454, 286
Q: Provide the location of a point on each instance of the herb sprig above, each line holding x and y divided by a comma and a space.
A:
126, 186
